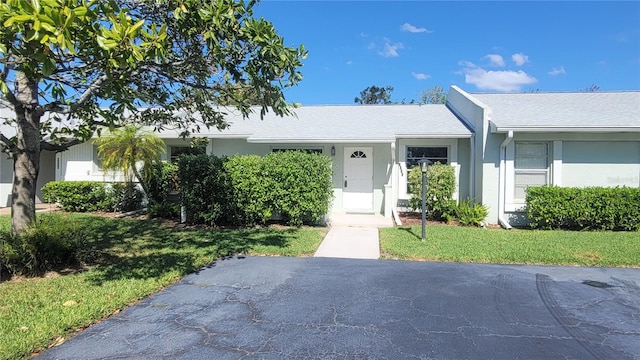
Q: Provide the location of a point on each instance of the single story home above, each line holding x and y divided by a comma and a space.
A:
498, 145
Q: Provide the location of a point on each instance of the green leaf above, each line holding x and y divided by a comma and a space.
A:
106, 44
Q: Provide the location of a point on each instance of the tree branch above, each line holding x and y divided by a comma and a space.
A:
59, 147
6, 142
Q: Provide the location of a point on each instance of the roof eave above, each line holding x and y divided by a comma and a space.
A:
318, 140
434, 136
581, 129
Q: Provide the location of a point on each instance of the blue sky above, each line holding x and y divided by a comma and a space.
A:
499, 46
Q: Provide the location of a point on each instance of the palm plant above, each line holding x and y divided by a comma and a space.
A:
123, 148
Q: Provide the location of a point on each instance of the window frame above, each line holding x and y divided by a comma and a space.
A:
402, 172
308, 150
172, 159
546, 171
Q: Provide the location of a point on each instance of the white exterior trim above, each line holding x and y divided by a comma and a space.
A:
556, 167
452, 154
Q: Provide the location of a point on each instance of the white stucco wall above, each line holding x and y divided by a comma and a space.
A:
77, 164
580, 160
601, 163
6, 180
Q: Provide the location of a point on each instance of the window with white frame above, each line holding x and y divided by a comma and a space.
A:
307, 150
435, 154
531, 167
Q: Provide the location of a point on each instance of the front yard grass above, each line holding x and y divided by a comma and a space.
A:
131, 259
464, 244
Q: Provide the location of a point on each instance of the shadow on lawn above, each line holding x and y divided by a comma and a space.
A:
409, 230
142, 249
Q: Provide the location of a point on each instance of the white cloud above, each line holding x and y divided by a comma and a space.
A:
557, 71
520, 59
420, 76
390, 49
502, 80
495, 59
414, 29
349, 62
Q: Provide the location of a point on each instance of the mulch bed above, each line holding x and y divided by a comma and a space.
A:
415, 218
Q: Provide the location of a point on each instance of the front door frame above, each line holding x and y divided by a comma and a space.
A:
362, 199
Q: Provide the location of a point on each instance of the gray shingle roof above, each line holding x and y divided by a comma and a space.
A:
346, 123
605, 111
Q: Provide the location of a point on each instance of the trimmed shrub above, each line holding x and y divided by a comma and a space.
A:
441, 184
76, 196
470, 213
53, 242
83, 196
300, 185
249, 190
592, 208
204, 189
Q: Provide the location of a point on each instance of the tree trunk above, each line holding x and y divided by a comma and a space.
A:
26, 156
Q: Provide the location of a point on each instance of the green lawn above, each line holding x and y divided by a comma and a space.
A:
131, 259
465, 244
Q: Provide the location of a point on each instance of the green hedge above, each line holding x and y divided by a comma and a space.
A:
592, 208
441, 184
248, 190
83, 196
163, 181
204, 190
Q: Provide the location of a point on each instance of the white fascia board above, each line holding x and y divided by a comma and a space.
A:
203, 135
318, 141
592, 129
433, 136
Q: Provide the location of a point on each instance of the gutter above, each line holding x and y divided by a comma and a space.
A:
501, 181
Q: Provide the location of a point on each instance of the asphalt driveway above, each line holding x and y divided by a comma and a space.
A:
274, 308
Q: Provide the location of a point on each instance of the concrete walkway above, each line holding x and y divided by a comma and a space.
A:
353, 236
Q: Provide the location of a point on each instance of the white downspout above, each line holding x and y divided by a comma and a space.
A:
502, 180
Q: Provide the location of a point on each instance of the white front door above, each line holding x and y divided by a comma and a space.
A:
357, 185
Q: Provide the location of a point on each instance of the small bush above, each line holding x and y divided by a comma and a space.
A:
441, 184
123, 197
299, 185
252, 196
162, 182
592, 208
83, 196
205, 191
165, 210
470, 213
53, 242
76, 196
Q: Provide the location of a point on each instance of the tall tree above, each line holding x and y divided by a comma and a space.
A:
68, 67
375, 95
124, 148
433, 95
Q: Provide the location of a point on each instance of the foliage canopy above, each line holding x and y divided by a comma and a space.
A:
70, 67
